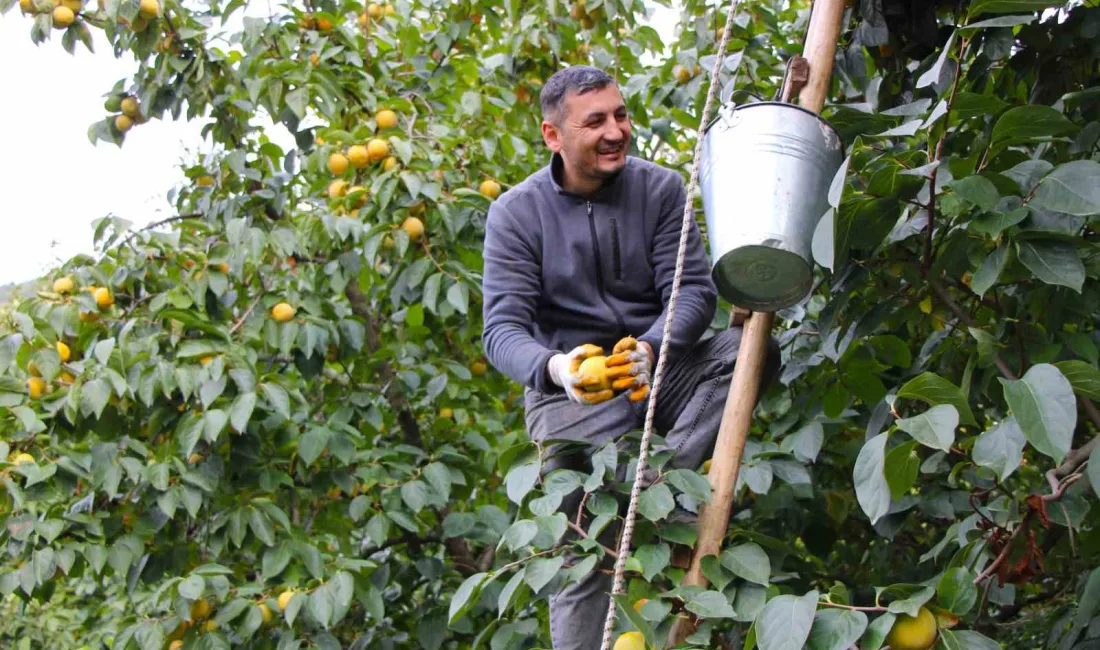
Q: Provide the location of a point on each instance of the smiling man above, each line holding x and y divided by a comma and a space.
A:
579, 261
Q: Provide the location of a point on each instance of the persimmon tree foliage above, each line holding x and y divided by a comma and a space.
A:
266, 422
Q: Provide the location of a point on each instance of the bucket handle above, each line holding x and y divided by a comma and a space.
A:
728, 106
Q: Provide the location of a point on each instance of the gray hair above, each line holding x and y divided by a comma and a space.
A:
577, 79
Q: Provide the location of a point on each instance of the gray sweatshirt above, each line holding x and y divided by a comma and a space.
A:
562, 270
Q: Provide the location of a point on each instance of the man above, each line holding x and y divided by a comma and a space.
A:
579, 261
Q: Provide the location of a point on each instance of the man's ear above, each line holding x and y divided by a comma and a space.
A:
551, 136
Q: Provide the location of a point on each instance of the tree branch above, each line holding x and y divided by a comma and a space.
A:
580, 531
1003, 555
157, 224
403, 539
245, 315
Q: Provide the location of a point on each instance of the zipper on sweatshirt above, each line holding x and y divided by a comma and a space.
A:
599, 270
616, 255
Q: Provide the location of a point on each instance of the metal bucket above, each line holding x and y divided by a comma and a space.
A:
765, 177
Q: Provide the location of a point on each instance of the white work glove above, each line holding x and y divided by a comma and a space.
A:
632, 366
563, 370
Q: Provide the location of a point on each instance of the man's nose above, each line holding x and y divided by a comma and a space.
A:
612, 132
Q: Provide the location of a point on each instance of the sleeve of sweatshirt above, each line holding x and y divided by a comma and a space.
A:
698, 296
511, 286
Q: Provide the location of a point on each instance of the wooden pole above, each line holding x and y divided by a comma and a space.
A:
820, 47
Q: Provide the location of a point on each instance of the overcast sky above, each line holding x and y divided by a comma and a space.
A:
53, 181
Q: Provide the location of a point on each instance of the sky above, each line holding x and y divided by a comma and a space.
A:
53, 181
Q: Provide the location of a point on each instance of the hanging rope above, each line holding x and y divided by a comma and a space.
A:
689, 216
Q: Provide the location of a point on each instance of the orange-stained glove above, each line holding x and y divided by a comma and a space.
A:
631, 366
564, 370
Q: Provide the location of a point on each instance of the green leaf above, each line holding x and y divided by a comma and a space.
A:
459, 296
876, 632
1044, 406
275, 560
1084, 378
1001, 448
439, 477
654, 559
690, 483
465, 597
785, 622
261, 527
965, 640
626, 608
312, 443
710, 604
277, 397
321, 606
891, 350
192, 587
836, 629
805, 444
656, 502
957, 592
1072, 188
519, 534
1053, 262
458, 524
990, 270
520, 480
994, 223
934, 390
749, 602
1002, 21
1090, 600
541, 570
149, 636
1027, 122
94, 396
241, 411
415, 495
872, 489
978, 191
298, 101
902, 468
934, 428
749, 562
968, 104
907, 598
715, 573
979, 7
504, 600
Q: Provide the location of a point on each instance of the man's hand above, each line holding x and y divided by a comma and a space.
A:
564, 371
632, 362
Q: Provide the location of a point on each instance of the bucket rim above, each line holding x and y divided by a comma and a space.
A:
739, 107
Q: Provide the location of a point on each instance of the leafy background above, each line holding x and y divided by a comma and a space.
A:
927, 443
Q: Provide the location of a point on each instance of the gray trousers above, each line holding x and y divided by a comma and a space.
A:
689, 410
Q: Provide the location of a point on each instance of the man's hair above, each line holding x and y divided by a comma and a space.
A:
577, 79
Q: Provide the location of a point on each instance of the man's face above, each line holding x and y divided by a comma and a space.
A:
593, 133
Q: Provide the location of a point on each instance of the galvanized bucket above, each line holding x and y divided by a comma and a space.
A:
765, 176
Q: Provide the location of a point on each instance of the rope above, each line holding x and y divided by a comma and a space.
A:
689, 216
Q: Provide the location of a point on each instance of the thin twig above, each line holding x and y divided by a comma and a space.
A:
428, 252
583, 534
157, 224
985, 599
245, 315
403, 539
1003, 555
